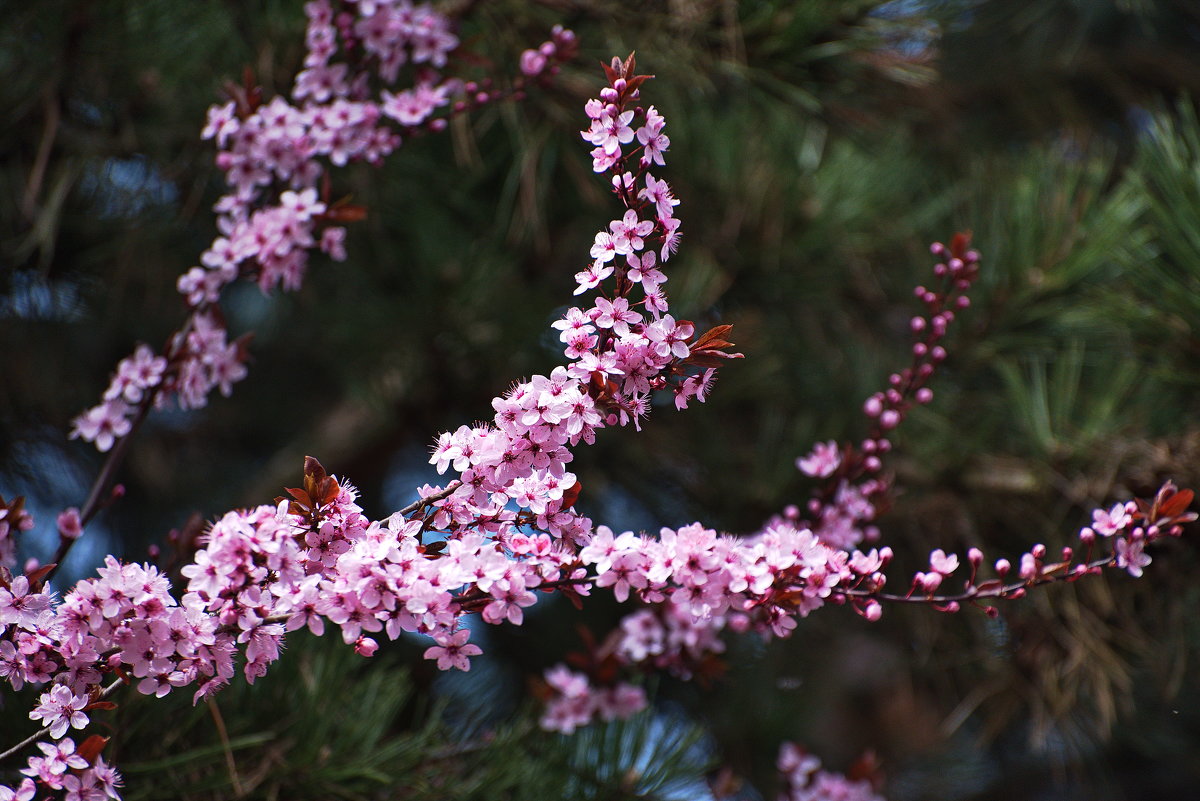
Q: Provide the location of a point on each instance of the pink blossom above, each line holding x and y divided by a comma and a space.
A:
453, 651
824, 459
59, 709
103, 424
69, 526
1112, 521
943, 564
1131, 556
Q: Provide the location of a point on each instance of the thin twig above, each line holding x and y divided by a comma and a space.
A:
215, 711
44, 732
437, 496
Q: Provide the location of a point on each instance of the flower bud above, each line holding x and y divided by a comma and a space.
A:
873, 611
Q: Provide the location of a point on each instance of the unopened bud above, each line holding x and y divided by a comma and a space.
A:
874, 611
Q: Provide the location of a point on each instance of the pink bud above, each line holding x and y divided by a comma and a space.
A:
873, 406
365, 646
1002, 567
917, 324
69, 526
874, 611
975, 557
889, 419
924, 395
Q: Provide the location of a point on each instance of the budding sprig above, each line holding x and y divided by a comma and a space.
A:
853, 489
1126, 527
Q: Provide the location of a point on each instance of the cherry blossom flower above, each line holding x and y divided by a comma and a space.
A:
60, 709
453, 651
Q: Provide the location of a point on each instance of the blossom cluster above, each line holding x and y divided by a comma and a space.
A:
621, 348
804, 780
80, 773
345, 106
576, 702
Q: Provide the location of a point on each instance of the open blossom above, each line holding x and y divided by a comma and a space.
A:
652, 139
943, 564
1112, 521
1131, 555
454, 651
103, 424
60, 709
825, 458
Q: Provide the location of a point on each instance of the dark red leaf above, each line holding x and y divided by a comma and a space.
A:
1176, 504
313, 468
90, 748
571, 495
36, 576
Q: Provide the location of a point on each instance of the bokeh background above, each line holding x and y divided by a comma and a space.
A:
818, 146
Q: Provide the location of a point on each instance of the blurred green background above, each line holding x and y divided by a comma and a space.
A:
818, 146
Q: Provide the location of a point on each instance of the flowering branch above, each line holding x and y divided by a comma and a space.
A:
507, 524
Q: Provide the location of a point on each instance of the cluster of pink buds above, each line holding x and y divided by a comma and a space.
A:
1116, 538
561, 46
852, 486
